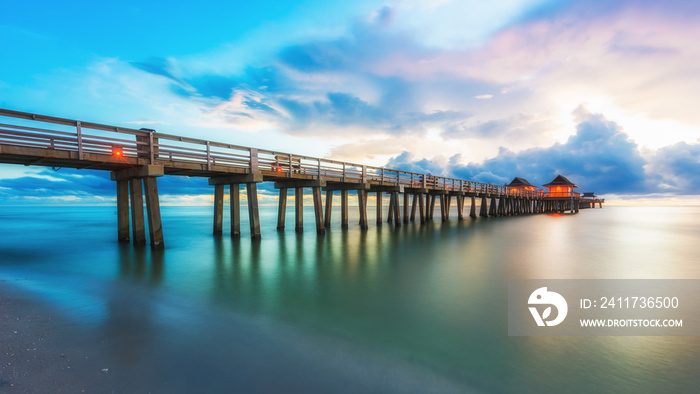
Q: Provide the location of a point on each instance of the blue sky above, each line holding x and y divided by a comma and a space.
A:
602, 92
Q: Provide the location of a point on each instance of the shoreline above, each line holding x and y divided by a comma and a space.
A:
44, 351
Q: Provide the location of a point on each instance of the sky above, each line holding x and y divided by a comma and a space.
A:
602, 92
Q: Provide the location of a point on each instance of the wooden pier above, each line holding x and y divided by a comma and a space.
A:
136, 158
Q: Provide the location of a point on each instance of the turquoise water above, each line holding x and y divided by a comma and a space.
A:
426, 303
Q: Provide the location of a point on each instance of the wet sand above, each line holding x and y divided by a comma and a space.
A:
44, 350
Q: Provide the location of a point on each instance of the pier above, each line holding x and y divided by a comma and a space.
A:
137, 158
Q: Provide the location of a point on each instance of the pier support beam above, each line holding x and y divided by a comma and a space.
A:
218, 209
413, 207
443, 208
343, 209
235, 193
155, 227
137, 220
379, 209
431, 211
390, 213
460, 207
123, 210
299, 209
405, 207
492, 208
362, 199
472, 210
483, 212
318, 209
282, 209
397, 209
421, 207
253, 211
329, 209
134, 176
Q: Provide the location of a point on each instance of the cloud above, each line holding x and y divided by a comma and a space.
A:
377, 87
676, 168
599, 157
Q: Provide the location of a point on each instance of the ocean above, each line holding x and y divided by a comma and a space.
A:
415, 308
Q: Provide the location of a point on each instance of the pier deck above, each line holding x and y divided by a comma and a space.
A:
136, 158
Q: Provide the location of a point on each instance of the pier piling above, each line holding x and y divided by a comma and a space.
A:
282, 209
123, 210
235, 201
299, 209
155, 227
343, 209
137, 219
218, 209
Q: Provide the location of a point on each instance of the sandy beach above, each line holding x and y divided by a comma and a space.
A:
44, 351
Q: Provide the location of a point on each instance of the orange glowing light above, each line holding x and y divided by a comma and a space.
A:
279, 169
117, 151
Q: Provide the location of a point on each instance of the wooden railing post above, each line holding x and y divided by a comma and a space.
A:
208, 156
151, 148
254, 169
80, 140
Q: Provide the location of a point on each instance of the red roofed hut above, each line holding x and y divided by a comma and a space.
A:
518, 185
561, 187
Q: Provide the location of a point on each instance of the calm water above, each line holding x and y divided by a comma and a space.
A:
427, 304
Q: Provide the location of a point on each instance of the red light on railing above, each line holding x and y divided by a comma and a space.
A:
117, 151
279, 169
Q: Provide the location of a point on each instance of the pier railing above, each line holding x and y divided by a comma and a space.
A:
32, 130
561, 194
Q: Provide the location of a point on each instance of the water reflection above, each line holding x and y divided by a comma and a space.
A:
434, 294
139, 264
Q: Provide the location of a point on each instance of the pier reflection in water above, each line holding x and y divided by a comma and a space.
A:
433, 297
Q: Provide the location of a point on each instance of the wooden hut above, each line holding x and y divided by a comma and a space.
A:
518, 185
561, 187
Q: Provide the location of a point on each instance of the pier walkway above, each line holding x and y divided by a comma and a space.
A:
136, 158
